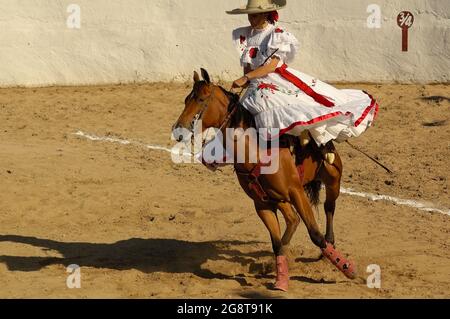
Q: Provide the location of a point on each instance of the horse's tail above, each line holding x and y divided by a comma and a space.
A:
312, 189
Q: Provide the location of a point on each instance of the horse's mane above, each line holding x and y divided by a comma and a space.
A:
241, 115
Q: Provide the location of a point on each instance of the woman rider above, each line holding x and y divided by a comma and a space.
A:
283, 98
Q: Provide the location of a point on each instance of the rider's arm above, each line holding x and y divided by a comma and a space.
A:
257, 73
262, 71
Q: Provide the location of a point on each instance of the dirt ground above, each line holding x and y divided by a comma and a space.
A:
140, 226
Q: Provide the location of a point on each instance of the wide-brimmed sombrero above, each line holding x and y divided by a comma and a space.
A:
259, 6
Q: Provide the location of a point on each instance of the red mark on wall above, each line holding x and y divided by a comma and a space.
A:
405, 21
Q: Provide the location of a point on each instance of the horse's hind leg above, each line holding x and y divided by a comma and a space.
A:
332, 193
331, 176
303, 207
269, 217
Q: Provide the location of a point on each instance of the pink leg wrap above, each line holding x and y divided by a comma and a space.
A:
345, 266
282, 274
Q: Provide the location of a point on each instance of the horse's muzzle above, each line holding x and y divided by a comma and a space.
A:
180, 133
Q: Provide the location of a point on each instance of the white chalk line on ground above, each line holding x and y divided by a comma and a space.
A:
427, 207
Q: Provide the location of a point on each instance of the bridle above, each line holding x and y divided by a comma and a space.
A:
199, 115
231, 110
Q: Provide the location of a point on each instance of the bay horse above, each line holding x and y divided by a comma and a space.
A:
292, 189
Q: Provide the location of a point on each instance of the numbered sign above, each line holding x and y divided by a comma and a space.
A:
405, 21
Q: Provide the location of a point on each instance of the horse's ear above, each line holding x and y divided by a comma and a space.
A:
196, 77
205, 76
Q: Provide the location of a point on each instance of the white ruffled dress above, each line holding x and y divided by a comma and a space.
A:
279, 103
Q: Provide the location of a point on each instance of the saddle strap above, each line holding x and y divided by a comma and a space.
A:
259, 191
254, 183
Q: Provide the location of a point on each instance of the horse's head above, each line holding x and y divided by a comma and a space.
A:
206, 102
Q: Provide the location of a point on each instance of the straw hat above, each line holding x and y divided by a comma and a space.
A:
259, 6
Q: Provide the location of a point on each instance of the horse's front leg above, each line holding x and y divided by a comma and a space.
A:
268, 215
292, 221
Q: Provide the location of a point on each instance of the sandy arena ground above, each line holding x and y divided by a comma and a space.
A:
141, 226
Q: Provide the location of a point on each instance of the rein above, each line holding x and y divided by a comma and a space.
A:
232, 107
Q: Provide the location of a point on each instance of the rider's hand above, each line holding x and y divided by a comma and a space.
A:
241, 82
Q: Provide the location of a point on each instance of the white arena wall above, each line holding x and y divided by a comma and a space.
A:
122, 41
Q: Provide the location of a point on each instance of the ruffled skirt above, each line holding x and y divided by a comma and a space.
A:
282, 108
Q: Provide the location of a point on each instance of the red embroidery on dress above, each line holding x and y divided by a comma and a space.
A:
278, 30
253, 52
267, 86
242, 39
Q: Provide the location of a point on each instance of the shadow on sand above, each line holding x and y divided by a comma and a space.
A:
146, 255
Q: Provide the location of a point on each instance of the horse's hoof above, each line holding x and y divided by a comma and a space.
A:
282, 282
282, 286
